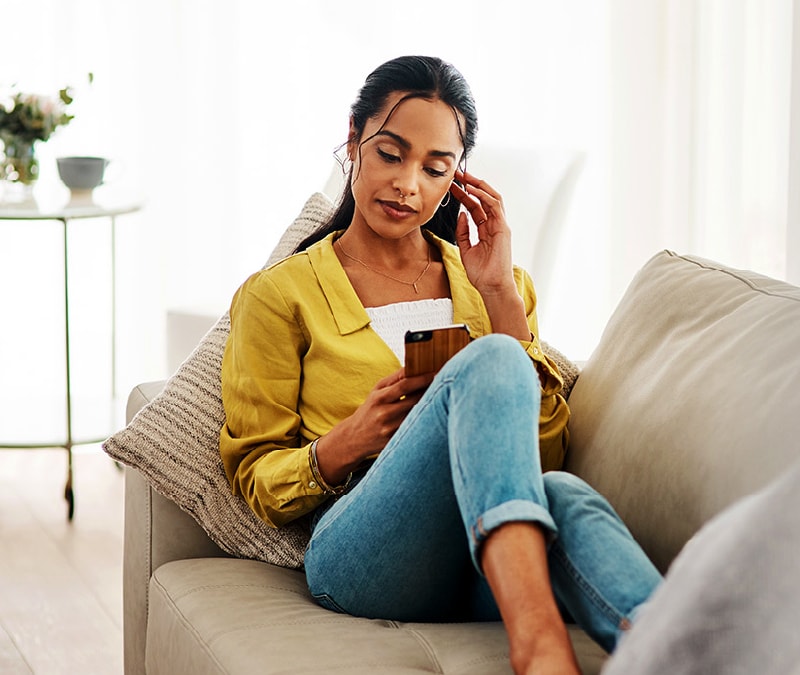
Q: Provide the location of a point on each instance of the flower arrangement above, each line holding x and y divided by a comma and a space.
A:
31, 117
24, 120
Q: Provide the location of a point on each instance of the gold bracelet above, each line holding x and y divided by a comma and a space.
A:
315, 472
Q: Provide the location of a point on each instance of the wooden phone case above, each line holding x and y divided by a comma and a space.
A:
428, 350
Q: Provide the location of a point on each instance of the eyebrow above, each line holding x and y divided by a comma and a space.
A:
405, 144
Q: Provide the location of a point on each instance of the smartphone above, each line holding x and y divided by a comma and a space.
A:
428, 350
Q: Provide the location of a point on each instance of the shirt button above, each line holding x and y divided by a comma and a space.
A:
312, 485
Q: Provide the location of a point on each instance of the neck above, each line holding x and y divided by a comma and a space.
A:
386, 253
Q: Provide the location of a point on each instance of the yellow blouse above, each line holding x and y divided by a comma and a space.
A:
301, 357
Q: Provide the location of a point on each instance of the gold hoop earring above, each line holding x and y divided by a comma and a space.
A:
446, 201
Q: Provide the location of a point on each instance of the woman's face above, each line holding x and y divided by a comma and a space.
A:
402, 173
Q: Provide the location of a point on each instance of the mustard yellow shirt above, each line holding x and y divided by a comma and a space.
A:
301, 357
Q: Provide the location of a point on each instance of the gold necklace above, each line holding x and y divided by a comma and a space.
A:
413, 284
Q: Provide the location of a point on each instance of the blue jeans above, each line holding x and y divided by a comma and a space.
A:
404, 543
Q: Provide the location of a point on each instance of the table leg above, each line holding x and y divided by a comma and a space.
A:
113, 308
69, 495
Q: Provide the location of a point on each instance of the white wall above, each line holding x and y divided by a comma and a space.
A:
224, 116
698, 121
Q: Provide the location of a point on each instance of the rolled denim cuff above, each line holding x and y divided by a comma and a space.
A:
513, 511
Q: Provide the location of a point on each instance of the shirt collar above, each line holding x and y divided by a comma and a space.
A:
349, 313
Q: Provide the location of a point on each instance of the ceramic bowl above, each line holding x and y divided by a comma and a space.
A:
81, 173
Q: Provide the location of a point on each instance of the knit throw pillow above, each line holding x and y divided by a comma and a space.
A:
174, 440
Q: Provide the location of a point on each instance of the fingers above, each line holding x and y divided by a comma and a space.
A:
397, 386
417, 383
462, 230
412, 389
391, 404
470, 203
390, 380
473, 182
479, 198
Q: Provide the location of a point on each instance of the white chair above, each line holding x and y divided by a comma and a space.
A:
537, 186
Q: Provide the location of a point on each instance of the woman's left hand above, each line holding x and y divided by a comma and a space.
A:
488, 261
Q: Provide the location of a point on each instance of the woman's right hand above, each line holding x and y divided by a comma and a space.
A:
367, 431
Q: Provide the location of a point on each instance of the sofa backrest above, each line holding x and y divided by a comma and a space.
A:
692, 398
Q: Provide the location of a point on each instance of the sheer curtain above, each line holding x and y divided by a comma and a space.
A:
224, 117
793, 223
699, 131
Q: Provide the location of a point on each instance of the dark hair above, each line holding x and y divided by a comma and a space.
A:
420, 77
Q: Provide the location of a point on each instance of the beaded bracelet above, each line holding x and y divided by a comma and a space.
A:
315, 472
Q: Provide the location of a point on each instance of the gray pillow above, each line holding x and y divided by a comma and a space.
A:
729, 602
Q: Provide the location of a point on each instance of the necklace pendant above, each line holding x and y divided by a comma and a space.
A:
416, 290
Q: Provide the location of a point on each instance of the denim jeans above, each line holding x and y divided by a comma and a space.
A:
404, 543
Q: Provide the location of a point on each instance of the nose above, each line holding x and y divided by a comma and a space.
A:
405, 179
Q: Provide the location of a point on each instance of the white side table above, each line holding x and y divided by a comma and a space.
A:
64, 213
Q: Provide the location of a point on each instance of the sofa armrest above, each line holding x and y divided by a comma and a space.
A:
156, 531
140, 396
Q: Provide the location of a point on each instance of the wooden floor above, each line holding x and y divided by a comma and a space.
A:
60, 582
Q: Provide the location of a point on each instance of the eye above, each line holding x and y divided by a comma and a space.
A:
388, 156
436, 173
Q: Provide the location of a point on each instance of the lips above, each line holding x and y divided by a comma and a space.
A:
397, 211
396, 206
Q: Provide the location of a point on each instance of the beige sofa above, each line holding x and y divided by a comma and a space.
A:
689, 402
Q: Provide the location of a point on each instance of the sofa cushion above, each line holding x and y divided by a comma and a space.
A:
691, 398
174, 440
225, 615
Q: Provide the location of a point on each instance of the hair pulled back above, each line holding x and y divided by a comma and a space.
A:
425, 77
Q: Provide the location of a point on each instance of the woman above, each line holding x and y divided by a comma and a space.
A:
428, 495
